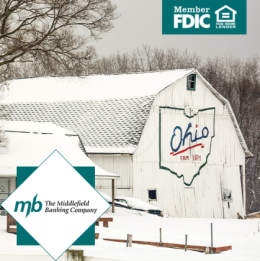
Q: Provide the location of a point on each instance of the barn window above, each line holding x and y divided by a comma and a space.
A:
227, 195
191, 82
152, 195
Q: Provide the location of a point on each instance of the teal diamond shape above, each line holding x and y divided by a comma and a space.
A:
86, 239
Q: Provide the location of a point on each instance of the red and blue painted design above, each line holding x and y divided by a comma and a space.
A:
177, 151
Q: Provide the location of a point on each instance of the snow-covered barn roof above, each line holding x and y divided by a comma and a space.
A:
108, 112
35, 127
31, 149
95, 87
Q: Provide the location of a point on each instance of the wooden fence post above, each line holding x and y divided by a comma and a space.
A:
160, 237
113, 196
211, 238
186, 239
8, 222
130, 241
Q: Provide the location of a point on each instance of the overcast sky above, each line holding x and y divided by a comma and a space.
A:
141, 23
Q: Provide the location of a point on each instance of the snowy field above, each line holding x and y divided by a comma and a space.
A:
243, 235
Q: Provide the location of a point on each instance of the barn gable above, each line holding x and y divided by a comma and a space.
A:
190, 154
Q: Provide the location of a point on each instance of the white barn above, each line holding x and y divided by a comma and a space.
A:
172, 138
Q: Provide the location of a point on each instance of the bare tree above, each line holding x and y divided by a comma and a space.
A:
45, 31
146, 59
239, 81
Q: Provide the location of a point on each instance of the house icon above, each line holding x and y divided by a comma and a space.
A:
226, 14
2, 189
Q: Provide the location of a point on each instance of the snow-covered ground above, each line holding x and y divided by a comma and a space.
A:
243, 235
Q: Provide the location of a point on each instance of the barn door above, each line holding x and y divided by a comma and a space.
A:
190, 203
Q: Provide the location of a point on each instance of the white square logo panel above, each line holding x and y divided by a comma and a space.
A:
56, 205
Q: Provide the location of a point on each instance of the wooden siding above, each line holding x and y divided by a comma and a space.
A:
121, 165
203, 198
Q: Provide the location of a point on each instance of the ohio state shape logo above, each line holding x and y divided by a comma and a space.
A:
185, 140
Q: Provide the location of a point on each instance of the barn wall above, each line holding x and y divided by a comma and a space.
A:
121, 165
203, 198
12, 184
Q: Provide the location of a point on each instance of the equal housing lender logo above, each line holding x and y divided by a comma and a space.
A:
204, 17
55, 205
